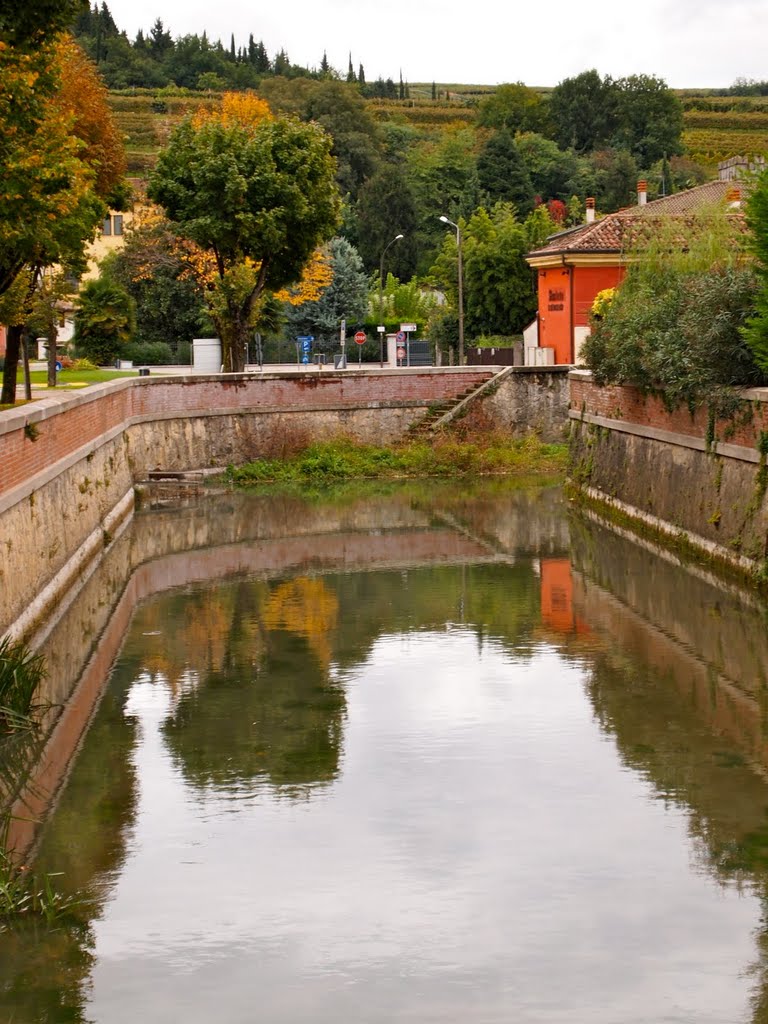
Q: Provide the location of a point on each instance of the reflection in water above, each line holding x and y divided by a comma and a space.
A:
257, 699
420, 765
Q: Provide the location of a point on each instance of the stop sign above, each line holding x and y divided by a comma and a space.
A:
360, 337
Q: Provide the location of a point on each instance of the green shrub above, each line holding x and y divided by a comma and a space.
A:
675, 326
82, 364
152, 353
756, 331
496, 341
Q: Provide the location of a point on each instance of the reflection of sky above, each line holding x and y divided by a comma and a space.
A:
483, 856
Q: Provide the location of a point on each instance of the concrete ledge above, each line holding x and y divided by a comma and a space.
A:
78, 566
731, 451
717, 551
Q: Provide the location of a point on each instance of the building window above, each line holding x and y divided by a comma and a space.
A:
113, 224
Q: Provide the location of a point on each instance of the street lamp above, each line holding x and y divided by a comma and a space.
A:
461, 288
381, 296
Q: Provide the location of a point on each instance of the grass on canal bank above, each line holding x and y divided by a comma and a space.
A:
447, 457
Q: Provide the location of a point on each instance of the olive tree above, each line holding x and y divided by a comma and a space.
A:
257, 196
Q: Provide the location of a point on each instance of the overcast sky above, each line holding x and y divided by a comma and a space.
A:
687, 42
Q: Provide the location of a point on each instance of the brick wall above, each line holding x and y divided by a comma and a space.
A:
631, 406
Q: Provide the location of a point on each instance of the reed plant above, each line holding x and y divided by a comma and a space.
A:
21, 672
22, 894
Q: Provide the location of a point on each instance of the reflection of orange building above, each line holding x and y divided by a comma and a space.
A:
557, 594
578, 263
557, 611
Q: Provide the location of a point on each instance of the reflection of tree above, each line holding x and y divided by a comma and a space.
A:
663, 735
307, 608
44, 970
262, 709
61, 956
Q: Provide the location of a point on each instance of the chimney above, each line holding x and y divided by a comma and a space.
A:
642, 193
590, 210
734, 198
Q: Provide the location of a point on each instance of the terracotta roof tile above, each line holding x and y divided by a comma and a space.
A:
616, 231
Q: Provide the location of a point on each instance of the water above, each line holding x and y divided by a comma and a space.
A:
426, 756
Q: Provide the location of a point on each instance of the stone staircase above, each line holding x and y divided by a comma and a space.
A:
440, 414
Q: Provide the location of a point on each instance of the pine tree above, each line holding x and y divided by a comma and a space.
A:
361, 75
351, 77
232, 56
402, 87
324, 65
434, 91
263, 63
251, 50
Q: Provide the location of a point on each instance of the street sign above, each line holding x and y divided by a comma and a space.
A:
400, 336
360, 338
408, 328
401, 353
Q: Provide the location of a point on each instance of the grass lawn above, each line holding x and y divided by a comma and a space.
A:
76, 378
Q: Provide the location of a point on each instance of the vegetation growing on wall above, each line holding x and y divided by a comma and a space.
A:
675, 325
756, 331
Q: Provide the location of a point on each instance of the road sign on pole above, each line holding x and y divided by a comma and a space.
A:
360, 337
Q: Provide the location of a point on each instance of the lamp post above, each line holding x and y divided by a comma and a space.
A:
381, 296
461, 288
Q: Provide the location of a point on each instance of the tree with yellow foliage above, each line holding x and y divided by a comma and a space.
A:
61, 156
257, 194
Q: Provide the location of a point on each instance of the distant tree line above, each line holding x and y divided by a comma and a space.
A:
158, 59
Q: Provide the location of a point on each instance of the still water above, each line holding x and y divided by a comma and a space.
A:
412, 756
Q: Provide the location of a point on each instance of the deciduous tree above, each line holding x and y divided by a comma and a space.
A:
583, 110
650, 119
258, 197
57, 155
513, 106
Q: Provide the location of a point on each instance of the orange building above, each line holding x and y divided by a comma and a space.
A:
578, 263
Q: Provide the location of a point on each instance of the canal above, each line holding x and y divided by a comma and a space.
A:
419, 754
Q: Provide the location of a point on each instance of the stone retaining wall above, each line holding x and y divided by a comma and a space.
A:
67, 468
693, 476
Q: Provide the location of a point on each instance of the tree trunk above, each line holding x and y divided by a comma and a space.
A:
52, 354
12, 350
235, 335
25, 363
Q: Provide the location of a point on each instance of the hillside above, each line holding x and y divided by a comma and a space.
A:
715, 127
